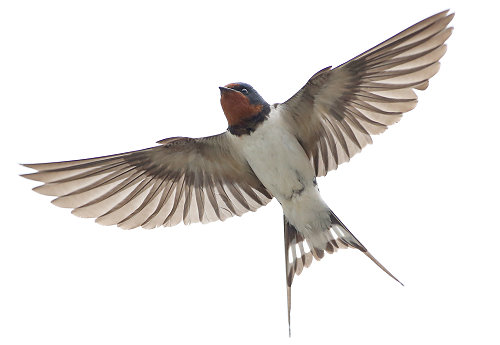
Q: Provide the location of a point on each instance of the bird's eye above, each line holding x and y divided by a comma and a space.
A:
245, 91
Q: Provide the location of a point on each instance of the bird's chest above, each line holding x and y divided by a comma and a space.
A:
277, 159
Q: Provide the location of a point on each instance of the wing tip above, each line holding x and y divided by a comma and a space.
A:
63, 203
422, 86
81, 212
31, 176
27, 165
43, 189
439, 15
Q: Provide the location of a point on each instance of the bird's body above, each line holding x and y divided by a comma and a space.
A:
280, 163
267, 151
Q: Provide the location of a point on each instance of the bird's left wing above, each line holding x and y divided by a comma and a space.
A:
183, 179
334, 115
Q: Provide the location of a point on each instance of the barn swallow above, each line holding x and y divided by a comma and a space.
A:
268, 151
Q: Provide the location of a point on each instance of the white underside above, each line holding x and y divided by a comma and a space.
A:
282, 166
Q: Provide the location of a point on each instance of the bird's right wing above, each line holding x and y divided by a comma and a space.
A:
194, 180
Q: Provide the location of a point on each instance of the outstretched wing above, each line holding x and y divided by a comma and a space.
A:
194, 180
337, 111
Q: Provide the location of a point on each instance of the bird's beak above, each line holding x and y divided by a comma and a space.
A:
225, 89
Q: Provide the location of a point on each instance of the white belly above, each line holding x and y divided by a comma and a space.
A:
277, 159
281, 164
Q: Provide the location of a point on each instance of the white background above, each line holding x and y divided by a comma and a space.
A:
100, 77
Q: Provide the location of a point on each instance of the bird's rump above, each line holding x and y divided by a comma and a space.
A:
184, 179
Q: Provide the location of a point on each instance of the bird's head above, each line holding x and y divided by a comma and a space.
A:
241, 103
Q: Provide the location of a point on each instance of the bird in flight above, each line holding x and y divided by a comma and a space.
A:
268, 151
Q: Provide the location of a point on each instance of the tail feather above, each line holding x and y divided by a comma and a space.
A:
367, 253
300, 249
352, 241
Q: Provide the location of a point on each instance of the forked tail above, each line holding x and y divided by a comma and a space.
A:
300, 250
